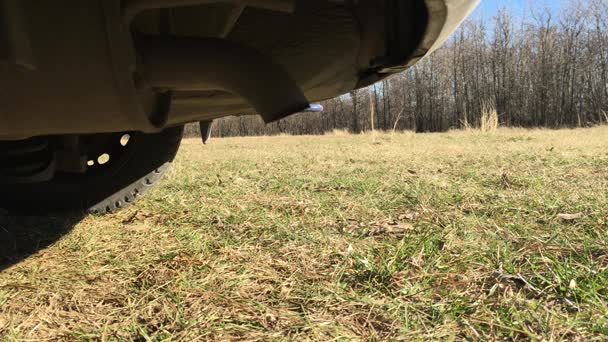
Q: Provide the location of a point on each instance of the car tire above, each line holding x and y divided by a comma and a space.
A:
105, 189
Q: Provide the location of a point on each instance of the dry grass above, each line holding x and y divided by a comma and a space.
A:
339, 132
489, 119
436, 236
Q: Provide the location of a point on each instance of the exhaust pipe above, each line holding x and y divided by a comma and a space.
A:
171, 63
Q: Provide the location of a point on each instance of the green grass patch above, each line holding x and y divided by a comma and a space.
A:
385, 236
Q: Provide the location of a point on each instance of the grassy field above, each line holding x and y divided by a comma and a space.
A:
434, 236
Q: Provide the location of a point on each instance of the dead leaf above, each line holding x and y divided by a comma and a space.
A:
350, 226
393, 229
287, 288
410, 215
350, 249
570, 217
137, 228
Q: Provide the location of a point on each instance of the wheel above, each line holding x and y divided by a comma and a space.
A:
122, 167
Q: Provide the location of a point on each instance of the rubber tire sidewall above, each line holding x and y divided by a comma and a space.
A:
149, 156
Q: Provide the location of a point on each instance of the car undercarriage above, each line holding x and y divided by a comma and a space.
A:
95, 94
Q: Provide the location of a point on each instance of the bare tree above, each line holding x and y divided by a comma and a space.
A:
549, 69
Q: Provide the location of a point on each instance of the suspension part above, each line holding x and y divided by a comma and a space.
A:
27, 161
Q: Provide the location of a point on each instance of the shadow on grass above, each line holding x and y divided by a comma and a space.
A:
23, 235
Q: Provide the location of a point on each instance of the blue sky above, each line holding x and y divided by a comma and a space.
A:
519, 8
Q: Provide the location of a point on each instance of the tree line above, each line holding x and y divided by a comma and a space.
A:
544, 70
